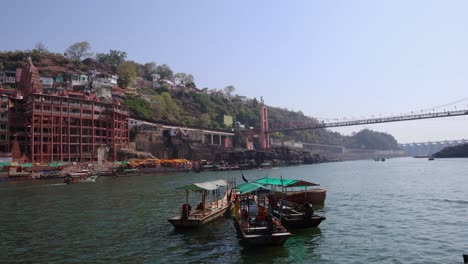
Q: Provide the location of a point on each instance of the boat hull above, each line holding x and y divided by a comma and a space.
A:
259, 236
199, 217
300, 222
314, 196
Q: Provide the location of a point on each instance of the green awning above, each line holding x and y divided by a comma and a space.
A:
285, 182
250, 187
56, 164
121, 162
5, 163
26, 165
205, 186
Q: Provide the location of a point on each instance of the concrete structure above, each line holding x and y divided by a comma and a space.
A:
168, 141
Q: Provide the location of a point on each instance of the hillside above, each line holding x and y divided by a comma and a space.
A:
460, 151
174, 98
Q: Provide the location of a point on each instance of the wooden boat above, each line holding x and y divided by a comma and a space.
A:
294, 215
83, 176
296, 191
128, 172
254, 223
205, 212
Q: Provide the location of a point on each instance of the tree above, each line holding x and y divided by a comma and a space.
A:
127, 72
164, 72
149, 69
184, 78
41, 47
113, 59
79, 50
228, 90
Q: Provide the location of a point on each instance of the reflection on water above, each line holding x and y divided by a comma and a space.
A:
400, 211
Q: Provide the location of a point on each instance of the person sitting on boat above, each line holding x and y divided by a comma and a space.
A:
270, 224
261, 216
186, 208
200, 206
308, 210
272, 203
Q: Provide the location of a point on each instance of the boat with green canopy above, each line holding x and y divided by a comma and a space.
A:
210, 208
298, 213
254, 223
296, 191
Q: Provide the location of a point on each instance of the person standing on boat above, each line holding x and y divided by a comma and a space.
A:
309, 210
186, 208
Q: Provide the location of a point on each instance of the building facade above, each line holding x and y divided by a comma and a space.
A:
70, 126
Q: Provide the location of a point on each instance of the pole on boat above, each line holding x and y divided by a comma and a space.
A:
203, 201
282, 198
186, 196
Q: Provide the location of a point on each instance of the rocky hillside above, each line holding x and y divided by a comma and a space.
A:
162, 99
460, 151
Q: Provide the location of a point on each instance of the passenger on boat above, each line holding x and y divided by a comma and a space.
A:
261, 216
272, 203
186, 208
309, 210
200, 206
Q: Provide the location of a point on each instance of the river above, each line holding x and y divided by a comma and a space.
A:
399, 211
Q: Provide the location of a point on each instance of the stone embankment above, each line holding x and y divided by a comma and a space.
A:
277, 156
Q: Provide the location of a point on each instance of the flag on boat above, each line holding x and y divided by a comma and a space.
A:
243, 177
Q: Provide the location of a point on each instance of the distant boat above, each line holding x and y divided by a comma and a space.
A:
83, 176
382, 159
204, 213
431, 158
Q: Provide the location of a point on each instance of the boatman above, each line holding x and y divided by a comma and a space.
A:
186, 208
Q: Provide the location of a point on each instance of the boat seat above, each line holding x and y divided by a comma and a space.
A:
257, 228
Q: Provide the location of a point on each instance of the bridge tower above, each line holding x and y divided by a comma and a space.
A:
264, 138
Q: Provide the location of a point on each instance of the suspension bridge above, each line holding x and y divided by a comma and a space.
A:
441, 111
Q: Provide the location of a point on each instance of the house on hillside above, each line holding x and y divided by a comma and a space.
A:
78, 81
47, 82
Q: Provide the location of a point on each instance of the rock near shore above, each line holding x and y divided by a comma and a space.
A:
459, 151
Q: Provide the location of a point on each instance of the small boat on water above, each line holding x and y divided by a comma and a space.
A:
296, 191
127, 172
205, 212
82, 176
430, 158
253, 221
295, 215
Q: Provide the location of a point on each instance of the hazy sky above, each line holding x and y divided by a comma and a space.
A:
329, 59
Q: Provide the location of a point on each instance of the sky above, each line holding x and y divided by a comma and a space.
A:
329, 59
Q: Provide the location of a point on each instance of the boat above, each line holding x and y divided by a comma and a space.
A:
206, 211
295, 215
430, 158
296, 191
83, 176
253, 221
127, 172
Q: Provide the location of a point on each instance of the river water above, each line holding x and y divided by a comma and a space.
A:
400, 211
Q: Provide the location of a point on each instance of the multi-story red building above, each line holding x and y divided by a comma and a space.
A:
71, 126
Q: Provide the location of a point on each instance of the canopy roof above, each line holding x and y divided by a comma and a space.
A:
205, 186
57, 164
250, 187
285, 182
